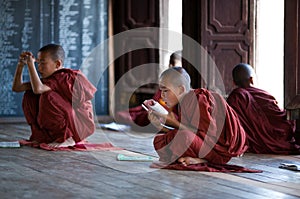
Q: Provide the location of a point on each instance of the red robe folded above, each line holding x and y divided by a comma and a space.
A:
218, 135
64, 111
264, 122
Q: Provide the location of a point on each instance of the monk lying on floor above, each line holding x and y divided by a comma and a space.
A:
58, 106
265, 124
206, 128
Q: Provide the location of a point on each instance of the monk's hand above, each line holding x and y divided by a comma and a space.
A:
149, 103
30, 58
169, 119
22, 59
154, 119
26, 58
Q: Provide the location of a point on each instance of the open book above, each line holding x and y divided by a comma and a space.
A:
159, 108
13, 144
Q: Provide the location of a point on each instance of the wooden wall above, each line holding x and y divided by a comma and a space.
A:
225, 29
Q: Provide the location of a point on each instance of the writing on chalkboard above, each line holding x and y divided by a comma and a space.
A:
78, 25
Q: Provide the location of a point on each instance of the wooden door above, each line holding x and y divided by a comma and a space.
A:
292, 60
128, 15
225, 29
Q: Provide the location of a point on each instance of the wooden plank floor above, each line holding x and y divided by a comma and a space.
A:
34, 173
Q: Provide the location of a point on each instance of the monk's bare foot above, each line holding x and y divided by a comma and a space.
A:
67, 143
189, 160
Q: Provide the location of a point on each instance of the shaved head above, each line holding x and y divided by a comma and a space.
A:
177, 76
242, 75
175, 59
56, 51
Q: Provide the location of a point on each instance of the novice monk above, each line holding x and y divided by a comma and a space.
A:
138, 115
264, 122
207, 129
58, 106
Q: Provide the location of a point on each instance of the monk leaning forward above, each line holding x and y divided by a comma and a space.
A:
206, 128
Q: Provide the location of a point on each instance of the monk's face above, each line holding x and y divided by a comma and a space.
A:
46, 65
169, 94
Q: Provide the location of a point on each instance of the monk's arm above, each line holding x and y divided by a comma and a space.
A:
37, 86
18, 84
171, 120
178, 125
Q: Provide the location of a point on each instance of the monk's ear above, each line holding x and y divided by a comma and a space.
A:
182, 89
251, 80
58, 64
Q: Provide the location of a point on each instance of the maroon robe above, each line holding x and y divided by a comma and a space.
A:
137, 116
217, 135
264, 122
64, 111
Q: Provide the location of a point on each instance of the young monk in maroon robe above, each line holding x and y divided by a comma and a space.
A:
138, 115
58, 105
206, 129
264, 122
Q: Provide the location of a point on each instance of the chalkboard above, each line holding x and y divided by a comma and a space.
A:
78, 25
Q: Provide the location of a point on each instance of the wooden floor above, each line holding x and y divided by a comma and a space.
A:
34, 173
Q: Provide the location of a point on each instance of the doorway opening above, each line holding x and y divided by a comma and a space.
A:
270, 48
269, 63
171, 19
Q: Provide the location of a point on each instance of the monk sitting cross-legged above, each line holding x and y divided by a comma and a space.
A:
206, 128
265, 124
58, 105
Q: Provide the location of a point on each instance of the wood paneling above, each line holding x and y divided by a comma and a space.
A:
291, 50
128, 15
292, 61
226, 30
